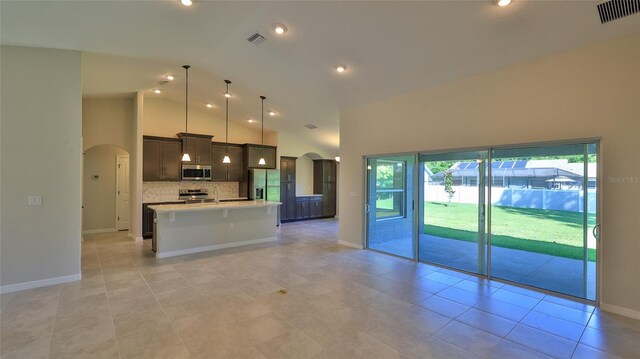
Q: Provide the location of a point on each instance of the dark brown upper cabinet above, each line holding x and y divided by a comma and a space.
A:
288, 169
161, 159
254, 152
234, 171
198, 147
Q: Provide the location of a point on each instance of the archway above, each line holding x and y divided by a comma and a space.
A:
304, 173
105, 190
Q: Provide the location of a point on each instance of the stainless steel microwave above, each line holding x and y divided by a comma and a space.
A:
196, 173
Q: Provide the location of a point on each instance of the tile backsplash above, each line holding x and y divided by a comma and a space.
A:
168, 191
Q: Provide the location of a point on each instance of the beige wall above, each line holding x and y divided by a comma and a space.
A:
135, 169
107, 121
41, 155
584, 93
292, 144
115, 121
304, 175
165, 118
99, 195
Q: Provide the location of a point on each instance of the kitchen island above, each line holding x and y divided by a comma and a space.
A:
191, 228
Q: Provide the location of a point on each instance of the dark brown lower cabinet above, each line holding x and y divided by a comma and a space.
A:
288, 199
306, 207
315, 207
329, 199
147, 218
302, 208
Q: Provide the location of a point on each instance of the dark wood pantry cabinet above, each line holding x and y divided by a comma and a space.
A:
288, 188
324, 183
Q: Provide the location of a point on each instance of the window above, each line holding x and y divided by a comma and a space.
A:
390, 189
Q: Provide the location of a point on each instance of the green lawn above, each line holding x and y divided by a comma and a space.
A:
557, 233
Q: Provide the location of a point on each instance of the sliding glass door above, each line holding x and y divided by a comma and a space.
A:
542, 215
452, 229
525, 214
390, 206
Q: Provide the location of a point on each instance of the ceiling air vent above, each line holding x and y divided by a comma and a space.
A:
256, 39
163, 82
311, 126
616, 9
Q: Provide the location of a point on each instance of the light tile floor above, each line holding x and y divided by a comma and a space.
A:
557, 274
341, 303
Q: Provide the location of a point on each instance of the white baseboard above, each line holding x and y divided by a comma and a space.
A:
214, 247
133, 236
9, 288
349, 244
102, 230
626, 312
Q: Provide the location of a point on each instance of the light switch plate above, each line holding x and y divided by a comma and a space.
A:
353, 194
35, 200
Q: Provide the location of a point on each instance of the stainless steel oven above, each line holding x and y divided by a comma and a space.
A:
196, 173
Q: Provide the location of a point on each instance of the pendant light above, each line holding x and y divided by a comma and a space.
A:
185, 154
262, 162
226, 158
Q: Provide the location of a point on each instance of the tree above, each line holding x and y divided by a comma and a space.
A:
448, 184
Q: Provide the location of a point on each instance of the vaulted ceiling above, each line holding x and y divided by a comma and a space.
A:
390, 47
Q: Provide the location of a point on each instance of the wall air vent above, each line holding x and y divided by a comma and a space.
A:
616, 9
311, 126
256, 39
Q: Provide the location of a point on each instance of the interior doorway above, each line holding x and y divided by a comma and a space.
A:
122, 193
105, 172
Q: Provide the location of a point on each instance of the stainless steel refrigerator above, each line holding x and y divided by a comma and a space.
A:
265, 184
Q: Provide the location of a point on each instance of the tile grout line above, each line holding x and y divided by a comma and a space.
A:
153, 293
104, 282
582, 334
53, 325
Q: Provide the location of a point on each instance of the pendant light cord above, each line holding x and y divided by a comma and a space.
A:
262, 114
186, 100
226, 136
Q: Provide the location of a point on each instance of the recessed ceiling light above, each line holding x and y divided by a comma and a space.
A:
209, 105
272, 113
280, 29
186, 2
341, 68
251, 120
157, 91
169, 77
227, 95
503, 3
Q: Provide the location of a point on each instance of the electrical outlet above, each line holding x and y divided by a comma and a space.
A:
35, 201
353, 194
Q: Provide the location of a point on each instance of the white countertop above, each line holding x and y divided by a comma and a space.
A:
182, 200
194, 207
